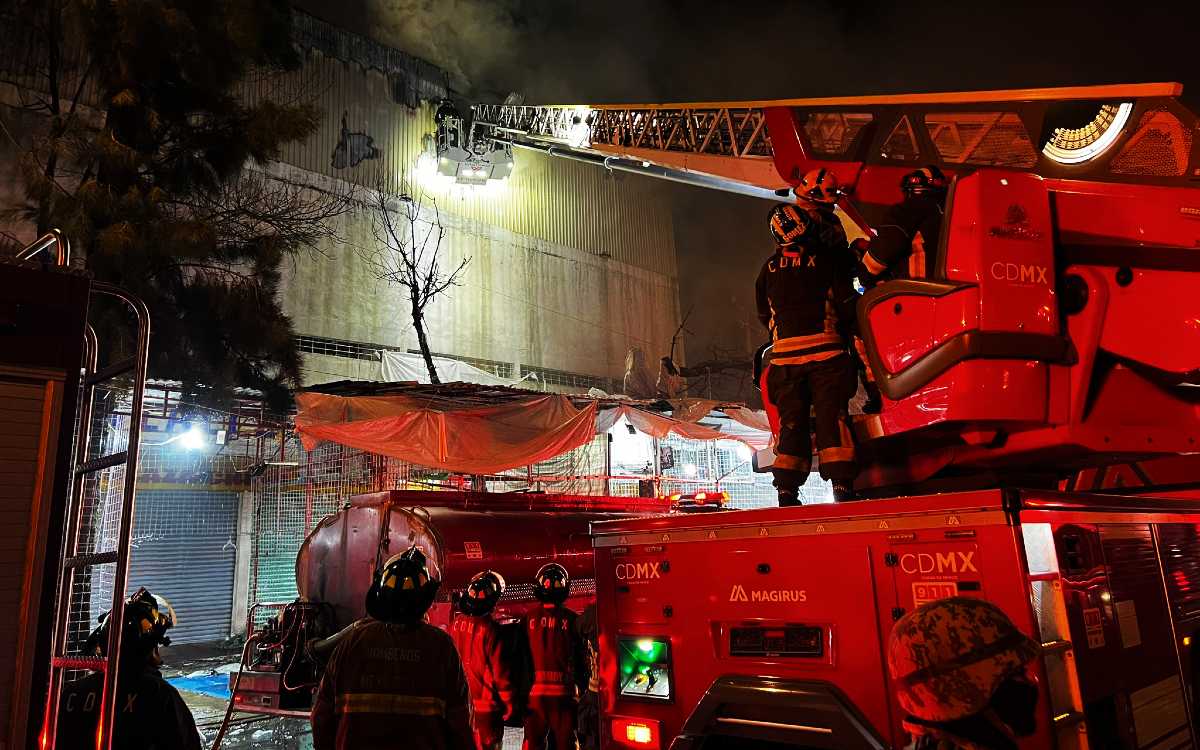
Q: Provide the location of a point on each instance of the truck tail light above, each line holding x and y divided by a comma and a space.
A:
640, 733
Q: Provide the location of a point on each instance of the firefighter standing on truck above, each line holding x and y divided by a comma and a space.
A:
959, 670
150, 714
557, 656
477, 637
803, 294
905, 246
906, 241
395, 680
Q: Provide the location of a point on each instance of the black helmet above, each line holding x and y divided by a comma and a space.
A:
403, 589
147, 620
482, 594
924, 181
789, 223
553, 585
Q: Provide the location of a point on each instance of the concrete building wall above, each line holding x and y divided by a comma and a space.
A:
570, 265
522, 300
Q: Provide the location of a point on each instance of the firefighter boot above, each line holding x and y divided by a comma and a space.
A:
843, 491
789, 497
874, 401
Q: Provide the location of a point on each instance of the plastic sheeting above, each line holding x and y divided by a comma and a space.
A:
658, 426
466, 440
401, 367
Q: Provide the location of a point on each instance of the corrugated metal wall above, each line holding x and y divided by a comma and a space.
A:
184, 549
566, 203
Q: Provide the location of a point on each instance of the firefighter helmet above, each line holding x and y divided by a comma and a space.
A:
482, 594
403, 589
948, 657
818, 186
147, 620
924, 181
789, 224
553, 585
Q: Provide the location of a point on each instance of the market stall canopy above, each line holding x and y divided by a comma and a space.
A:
469, 439
476, 429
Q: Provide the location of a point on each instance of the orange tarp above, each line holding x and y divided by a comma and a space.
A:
466, 440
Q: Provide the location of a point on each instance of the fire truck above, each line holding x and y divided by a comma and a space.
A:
1039, 410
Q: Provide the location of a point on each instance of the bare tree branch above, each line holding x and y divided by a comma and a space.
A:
408, 253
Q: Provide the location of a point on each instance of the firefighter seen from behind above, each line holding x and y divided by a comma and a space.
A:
477, 636
805, 300
150, 714
395, 679
557, 656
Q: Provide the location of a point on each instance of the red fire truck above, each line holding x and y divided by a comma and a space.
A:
1057, 335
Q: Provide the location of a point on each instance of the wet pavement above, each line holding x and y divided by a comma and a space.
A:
199, 671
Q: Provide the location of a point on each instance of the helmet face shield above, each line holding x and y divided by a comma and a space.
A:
927, 180
818, 186
403, 589
482, 594
552, 584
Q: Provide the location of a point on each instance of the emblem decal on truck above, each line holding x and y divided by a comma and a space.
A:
739, 594
941, 562
637, 571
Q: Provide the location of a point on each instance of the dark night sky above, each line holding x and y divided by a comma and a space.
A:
576, 51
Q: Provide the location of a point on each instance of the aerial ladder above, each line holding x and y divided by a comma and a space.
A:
1055, 333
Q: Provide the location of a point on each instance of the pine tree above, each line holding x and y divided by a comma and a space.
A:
160, 189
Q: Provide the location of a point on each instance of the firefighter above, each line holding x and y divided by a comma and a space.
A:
589, 684
149, 711
395, 678
908, 236
477, 637
804, 296
959, 669
557, 654
903, 247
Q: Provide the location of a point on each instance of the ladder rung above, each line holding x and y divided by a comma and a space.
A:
88, 560
80, 662
103, 462
112, 371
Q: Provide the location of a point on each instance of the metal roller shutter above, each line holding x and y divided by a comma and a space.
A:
21, 408
184, 549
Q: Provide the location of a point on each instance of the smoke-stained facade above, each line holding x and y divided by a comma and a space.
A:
569, 265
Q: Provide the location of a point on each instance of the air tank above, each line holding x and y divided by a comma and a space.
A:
461, 534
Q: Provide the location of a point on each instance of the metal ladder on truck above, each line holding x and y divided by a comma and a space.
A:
77, 560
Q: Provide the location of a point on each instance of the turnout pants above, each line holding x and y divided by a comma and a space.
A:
489, 730
550, 725
822, 387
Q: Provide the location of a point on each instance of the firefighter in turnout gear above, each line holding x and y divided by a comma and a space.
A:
959, 667
150, 714
477, 637
395, 679
557, 656
904, 247
907, 239
805, 301
589, 689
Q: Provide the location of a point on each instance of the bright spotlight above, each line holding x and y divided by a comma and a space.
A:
194, 439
